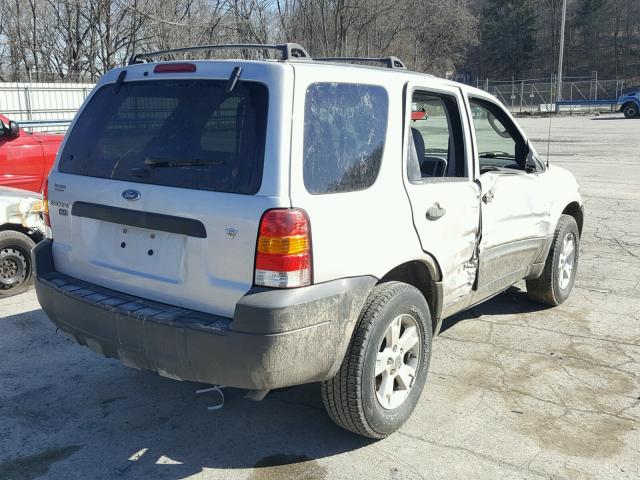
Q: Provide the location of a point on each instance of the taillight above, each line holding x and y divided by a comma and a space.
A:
283, 252
45, 203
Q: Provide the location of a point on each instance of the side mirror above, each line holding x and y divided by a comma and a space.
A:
13, 130
497, 126
531, 164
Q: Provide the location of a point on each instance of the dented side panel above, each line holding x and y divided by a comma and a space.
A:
19, 207
520, 208
452, 237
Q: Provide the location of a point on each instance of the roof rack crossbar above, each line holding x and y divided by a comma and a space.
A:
389, 62
287, 50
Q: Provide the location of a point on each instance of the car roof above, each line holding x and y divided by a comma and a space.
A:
296, 55
341, 69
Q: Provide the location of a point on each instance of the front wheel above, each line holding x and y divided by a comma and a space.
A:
554, 285
15, 263
631, 111
385, 367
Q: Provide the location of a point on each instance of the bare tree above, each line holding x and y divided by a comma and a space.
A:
72, 39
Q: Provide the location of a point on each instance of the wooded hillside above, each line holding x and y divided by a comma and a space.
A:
499, 39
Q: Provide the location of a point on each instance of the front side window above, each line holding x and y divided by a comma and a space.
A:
499, 144
177, 133
345, 126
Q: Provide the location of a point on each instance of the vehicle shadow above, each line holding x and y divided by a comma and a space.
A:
511, 301
94, 418
82, 416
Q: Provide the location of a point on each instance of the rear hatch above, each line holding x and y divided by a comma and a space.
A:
163, 178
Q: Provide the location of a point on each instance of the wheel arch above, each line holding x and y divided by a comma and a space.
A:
19, 228
426, 276
576, 211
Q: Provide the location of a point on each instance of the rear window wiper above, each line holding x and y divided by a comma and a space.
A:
170, 162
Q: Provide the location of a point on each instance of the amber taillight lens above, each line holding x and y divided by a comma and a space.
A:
45, 203
283, 250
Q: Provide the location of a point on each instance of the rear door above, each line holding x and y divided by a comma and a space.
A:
439, 181
162, 181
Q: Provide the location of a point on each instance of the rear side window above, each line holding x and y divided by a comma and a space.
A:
436, 142
177, 133
345, 126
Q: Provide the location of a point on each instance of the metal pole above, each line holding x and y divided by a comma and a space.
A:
513, 91
564, 19
553, 96
27, 99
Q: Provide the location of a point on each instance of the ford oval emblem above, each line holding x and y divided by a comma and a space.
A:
131, 195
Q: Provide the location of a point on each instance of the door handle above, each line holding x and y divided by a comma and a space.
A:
488, 197
435, 212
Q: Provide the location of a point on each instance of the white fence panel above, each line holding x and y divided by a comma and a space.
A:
28, 102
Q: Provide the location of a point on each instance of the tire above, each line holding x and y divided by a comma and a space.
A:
16, 274
631, 111
554, 285
351, 398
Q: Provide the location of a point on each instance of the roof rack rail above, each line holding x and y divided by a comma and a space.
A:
287, 50
389, 62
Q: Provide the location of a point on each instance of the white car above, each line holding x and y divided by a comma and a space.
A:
268, 223
21, 227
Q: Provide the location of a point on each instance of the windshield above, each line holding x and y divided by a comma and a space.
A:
179, 133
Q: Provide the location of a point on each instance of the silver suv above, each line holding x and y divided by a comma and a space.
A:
268, 223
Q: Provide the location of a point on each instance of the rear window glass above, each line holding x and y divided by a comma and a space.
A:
344, 132
178, 133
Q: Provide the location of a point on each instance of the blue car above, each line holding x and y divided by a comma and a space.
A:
630, 104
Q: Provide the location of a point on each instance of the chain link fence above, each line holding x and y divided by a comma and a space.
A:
539, 95
51, 106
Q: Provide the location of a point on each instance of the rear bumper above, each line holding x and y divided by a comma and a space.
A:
276, 338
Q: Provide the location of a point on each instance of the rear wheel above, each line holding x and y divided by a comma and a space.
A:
631, 111
554, 285
385, 367
15, 263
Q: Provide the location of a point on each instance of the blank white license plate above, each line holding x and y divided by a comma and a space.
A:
140, 251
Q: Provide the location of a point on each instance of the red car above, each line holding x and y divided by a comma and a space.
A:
25, 158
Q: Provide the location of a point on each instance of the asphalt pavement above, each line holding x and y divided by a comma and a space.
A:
515, 390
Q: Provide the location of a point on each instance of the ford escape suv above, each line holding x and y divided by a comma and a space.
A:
267, 223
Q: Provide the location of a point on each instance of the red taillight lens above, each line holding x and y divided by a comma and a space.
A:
283, 251
175, 68
45, 203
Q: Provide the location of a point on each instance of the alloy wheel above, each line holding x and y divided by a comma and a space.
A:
397, 361
566, 261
